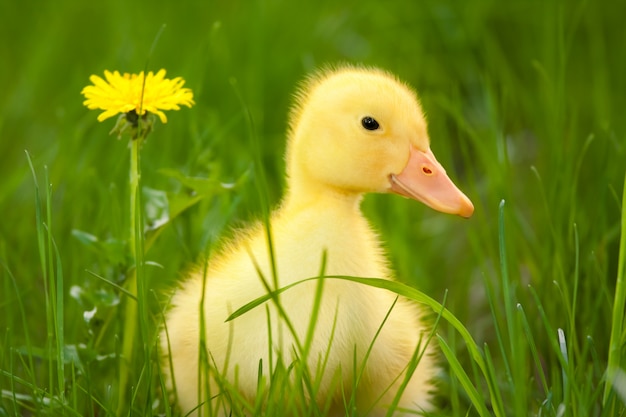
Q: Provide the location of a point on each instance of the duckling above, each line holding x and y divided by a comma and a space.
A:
352, 130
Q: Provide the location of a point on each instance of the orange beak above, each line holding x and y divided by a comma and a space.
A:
424, 179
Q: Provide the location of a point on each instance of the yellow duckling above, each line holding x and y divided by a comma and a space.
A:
352, 131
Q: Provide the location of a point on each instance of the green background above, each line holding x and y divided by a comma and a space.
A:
525, 100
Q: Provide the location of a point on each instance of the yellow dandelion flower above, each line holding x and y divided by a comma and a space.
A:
128, 92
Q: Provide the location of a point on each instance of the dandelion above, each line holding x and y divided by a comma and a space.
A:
138, 100
135, 97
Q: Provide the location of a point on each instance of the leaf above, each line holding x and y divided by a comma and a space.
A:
98, 297
85, 238
156, 208
113, 250
177, 203
202, 186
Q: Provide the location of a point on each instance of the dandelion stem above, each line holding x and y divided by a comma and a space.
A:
130, 320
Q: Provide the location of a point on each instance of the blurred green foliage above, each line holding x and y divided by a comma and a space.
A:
525, 101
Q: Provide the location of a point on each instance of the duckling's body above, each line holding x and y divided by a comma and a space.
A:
332, 160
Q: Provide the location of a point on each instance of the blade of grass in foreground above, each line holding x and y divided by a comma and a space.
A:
44, 270
615, 344
405, 291
457, 368
53, 284
58, 293
28, 363
517, 352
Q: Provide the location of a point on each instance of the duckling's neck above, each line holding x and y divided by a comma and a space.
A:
303, 195
318, 220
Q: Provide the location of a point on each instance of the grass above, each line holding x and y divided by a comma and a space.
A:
525, 104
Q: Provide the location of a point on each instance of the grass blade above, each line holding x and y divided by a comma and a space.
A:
460, 373
616, 341
405, 291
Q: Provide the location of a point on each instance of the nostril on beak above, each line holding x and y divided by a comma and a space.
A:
426, 170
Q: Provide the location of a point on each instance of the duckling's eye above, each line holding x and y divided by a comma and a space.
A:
369, 123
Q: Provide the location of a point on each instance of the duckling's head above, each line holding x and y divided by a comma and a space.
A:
356, 130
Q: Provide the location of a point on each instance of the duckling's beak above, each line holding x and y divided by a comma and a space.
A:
425, 180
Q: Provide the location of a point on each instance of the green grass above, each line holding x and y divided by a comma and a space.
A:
525, 102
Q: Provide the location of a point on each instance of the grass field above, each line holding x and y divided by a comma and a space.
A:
526, 104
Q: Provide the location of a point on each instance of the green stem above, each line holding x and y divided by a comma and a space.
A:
130, 317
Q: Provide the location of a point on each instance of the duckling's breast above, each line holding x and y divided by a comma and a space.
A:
307, 244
